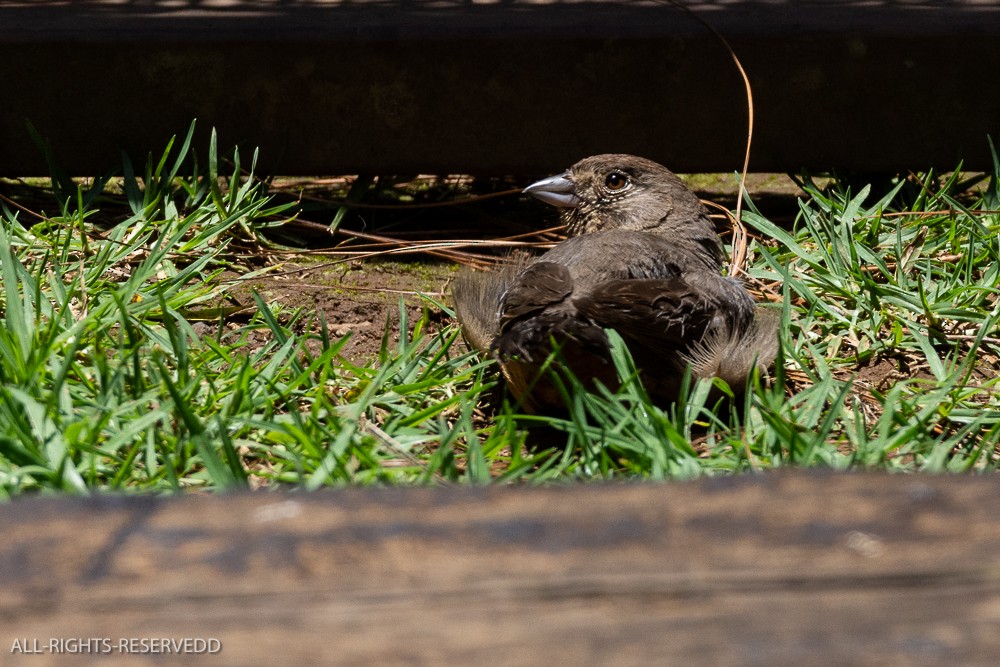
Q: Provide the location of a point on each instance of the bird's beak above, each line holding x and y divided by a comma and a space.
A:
557, 190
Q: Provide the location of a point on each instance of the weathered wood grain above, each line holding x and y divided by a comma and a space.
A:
776, 569
505, 86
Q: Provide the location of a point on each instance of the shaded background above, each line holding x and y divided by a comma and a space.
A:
513, 86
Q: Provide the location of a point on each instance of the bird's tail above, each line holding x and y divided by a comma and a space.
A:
732, 354
477, 297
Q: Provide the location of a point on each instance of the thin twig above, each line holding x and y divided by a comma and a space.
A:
446, 249
871, 268
738, 262
389, 443
400, 207
985, 339
25, 209
928, 214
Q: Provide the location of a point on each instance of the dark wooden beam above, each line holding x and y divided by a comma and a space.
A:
793, 568
505, 86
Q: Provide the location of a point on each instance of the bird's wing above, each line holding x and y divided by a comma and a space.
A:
538, 307
539, 286
667, 313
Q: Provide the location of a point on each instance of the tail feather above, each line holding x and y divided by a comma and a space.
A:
732, 354
477, 296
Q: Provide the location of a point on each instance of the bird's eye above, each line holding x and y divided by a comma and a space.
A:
615, 181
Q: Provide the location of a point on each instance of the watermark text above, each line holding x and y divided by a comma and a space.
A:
116, 646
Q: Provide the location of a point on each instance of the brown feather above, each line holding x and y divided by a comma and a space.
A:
644, 261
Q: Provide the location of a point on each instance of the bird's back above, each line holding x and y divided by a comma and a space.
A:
641, 285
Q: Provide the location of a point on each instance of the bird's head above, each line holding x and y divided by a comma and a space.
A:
622, 192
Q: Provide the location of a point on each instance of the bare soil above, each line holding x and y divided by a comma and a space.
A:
357, 298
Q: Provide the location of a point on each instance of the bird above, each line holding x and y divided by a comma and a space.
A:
642, 259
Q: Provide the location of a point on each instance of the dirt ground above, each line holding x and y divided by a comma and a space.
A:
361, 297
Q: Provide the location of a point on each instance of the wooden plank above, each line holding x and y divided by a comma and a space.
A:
525, 86
792, 568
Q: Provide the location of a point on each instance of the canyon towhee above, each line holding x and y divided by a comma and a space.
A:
643, 259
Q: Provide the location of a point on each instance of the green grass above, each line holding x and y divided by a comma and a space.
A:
122, 367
